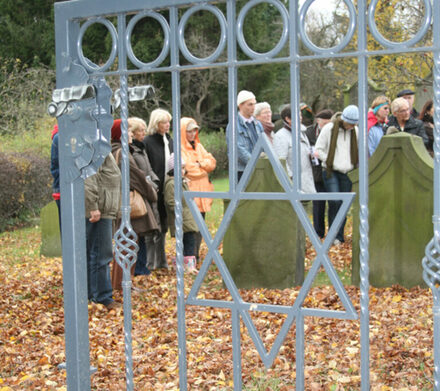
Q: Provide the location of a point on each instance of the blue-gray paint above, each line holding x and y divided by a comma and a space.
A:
72, 18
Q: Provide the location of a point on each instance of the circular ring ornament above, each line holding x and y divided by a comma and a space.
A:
347, 38
181, 38
166, 32
390, 44
284, 35
85, 62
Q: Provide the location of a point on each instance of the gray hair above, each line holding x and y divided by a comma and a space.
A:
259, 107
397, 103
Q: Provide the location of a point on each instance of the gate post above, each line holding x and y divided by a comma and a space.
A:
431, 261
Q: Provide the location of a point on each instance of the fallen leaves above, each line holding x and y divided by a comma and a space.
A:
32, 333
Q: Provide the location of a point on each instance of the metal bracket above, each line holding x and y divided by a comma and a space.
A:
134, 94
63, 96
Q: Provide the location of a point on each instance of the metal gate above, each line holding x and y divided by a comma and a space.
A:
82, 105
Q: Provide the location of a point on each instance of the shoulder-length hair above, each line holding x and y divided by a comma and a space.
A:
156, 116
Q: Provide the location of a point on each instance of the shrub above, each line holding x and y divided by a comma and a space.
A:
26, 186
24, 95
215, 143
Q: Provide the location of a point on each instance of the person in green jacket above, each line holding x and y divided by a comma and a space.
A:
189, 225
102, 203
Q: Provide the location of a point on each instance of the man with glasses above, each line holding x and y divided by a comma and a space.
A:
404, 121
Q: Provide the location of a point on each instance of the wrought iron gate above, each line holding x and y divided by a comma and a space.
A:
82, 105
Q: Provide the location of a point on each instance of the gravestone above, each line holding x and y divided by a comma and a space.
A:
264, 245
50, 231
400, 211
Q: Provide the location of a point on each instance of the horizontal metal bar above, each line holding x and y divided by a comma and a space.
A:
76, 9
282, 309
328, 313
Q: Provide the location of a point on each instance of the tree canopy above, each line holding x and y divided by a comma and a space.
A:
27, 34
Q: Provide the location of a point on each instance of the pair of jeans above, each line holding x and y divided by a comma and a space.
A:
337, 182
189, 243
99, 256
141, 268
319, 211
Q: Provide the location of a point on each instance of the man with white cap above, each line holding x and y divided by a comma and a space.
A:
337, 148
248, 129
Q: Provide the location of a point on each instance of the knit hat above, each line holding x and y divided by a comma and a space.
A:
116, 130
243, 96
325, 114
350, 115
405, 92
170, 163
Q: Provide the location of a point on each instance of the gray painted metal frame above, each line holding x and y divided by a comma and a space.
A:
72, 20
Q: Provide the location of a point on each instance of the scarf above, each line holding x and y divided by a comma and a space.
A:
337, 123
166, 150
138, 144
268, 128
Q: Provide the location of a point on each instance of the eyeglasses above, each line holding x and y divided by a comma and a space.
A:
192, 131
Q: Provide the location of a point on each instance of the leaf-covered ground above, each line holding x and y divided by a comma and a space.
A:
32, 332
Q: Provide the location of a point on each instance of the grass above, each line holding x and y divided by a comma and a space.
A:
214, 217
37, 140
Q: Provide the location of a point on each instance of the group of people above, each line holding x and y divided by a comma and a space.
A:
329, 146
329, 150
151, 169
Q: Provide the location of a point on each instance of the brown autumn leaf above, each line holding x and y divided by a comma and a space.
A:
32, 327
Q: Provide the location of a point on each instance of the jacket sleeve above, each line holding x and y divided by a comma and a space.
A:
54, 161
422, 133
323, 143
91, 193
208, 161
280, 145
243, 154
139, 183
169, 195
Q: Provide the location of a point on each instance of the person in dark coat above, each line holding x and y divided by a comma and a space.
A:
159, 146
55, 171
427, 116
404, 121
144, 224
150, 250
322, 118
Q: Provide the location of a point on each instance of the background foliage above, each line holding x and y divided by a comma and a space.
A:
27, 74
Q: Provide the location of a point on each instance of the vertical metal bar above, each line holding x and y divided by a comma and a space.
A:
363, 195
294, 95
125, 171
175, 80
232, 95
436, 209
73, 239
236, 349
299, 351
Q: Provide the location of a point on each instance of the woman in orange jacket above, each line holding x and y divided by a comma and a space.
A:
198, 164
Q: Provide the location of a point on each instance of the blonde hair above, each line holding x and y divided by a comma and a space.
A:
259, 107
156, 116
397, 103
379, 100
135, 123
